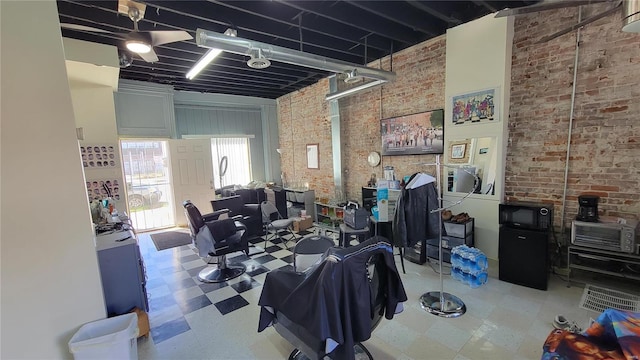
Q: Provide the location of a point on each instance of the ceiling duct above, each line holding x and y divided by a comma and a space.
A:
236, 45
631, 16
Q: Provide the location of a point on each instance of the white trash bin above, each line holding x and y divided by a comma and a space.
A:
112, 338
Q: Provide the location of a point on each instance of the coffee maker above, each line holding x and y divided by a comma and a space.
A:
588, 210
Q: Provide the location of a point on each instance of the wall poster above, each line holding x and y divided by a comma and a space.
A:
103, 188
99, 156
474, 107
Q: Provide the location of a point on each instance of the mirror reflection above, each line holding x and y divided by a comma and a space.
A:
473, 156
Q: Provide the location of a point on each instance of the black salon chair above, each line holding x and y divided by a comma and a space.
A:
216, 238
309, 250
334, 306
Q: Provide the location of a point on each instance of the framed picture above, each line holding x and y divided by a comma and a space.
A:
313, 157
457, 151
474, 107
415, 134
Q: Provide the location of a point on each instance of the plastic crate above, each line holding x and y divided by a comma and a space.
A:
460, 230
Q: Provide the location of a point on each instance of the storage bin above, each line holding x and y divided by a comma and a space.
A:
459, 229
112, 338
356, 218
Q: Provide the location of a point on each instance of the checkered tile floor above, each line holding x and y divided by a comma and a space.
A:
172, 281
194, 320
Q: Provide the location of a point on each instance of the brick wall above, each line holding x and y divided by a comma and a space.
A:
304, 118
605, 150
605, 145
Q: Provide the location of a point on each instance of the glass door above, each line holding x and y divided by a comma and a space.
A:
148, 180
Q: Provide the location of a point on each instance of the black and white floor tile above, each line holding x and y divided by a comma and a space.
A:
194, 320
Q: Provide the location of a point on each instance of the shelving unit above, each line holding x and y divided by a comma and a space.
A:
620, 265
301, 200
328, 216
369, 197
457, 234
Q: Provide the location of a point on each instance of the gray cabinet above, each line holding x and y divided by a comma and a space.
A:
122, 273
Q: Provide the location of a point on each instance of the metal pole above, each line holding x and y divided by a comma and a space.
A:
438, 302
573, 100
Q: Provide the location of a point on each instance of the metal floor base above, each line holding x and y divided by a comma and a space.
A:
214, 274
451, 307
361, 353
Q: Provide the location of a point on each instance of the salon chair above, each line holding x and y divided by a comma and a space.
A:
248, 213
335, 305
309, 250
216, 238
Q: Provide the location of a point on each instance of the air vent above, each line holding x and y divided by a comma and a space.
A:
258, 63
352, 77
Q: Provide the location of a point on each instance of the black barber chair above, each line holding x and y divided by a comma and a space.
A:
216, 238
334, 306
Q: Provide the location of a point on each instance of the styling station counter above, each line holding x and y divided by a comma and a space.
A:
122, 272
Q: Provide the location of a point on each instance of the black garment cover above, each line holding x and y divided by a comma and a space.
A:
334, 299
413, 220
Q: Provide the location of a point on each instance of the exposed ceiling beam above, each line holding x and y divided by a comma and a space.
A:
396, 12
422, 7
486, 5
274, 11
347, 14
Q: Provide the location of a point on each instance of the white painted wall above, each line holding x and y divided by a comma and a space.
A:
95, 113
50, 277
478, 58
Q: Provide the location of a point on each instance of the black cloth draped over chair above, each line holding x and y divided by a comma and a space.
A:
337, 303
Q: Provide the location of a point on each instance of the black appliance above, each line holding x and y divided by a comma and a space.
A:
588, 210
369, 197
523, 256
526, 215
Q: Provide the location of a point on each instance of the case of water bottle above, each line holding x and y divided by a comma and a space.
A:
469, 265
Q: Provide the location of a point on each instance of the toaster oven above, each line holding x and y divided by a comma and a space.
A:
611, 236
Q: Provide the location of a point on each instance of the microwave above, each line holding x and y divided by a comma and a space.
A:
526, 215
606, 235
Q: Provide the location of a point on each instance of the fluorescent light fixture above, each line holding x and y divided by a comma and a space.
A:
203, 62
339, 95
138, 47
208, 57
236, 45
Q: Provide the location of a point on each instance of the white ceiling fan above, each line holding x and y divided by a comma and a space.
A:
138, 42
630, 13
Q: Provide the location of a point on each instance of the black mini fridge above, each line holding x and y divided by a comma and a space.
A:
523, 257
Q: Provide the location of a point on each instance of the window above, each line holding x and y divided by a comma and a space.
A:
238, 163
148, 184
